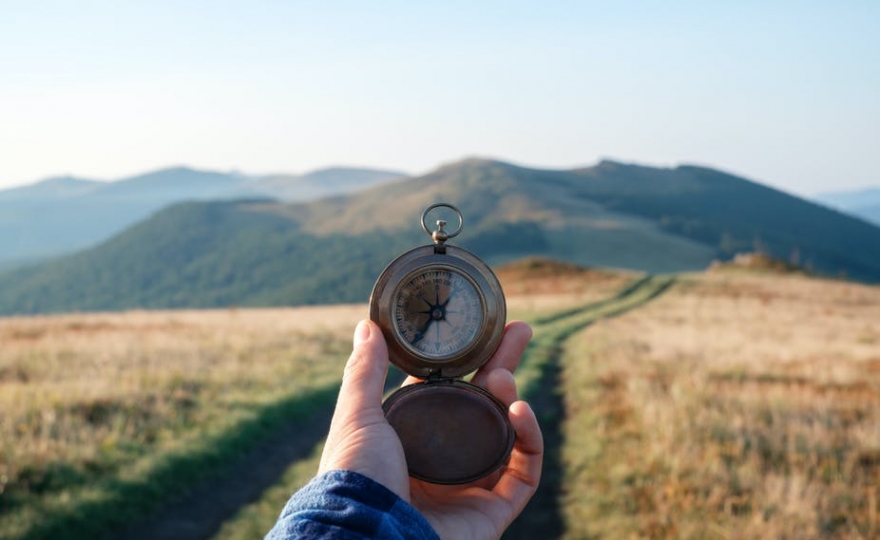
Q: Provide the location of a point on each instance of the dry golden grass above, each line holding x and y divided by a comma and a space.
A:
92, 395
735, 406
536, 286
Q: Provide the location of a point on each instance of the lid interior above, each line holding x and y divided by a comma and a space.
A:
452, 433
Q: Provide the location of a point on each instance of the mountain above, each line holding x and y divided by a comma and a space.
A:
321, 183
868, 213
51, 188
851, 198
735, 215
62, 215
260, 252
863, 203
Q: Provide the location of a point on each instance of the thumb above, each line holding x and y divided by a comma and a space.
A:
363, 381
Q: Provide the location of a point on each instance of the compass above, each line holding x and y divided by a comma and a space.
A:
437, 312
442, 312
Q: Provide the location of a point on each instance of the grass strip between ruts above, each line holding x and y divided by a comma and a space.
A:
552, 330
539, 384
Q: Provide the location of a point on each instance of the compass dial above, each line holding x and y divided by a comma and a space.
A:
438, 312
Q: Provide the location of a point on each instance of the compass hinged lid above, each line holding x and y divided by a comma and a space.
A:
452, 432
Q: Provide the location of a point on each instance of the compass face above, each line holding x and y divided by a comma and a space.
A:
438, 312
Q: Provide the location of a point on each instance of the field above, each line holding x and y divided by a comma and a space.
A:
719, 405
104, 416
736, 406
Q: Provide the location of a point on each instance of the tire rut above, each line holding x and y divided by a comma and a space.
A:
543, 518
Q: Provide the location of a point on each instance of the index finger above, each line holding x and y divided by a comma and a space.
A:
516, 338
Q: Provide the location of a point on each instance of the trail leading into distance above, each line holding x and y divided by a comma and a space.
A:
541, 518
202, 510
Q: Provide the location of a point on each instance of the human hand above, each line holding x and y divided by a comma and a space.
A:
361, 440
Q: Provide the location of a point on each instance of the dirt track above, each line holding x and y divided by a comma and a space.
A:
200, 512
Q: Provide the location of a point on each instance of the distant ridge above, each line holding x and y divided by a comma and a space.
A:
862, 203
65, 214
321, 182
51, 188
614, 215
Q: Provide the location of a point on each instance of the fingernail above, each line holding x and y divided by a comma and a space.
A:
361, 333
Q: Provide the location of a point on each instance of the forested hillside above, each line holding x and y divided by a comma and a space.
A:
262, 252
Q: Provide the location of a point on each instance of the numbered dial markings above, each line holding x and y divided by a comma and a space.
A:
438, 312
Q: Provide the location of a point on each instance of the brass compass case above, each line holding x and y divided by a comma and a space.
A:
442, 312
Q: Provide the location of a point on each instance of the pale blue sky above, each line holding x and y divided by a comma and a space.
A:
785, 93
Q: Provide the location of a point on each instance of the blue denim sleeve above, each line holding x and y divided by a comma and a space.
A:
347, 505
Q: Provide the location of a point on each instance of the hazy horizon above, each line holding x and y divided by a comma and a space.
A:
779, 93
857, 189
